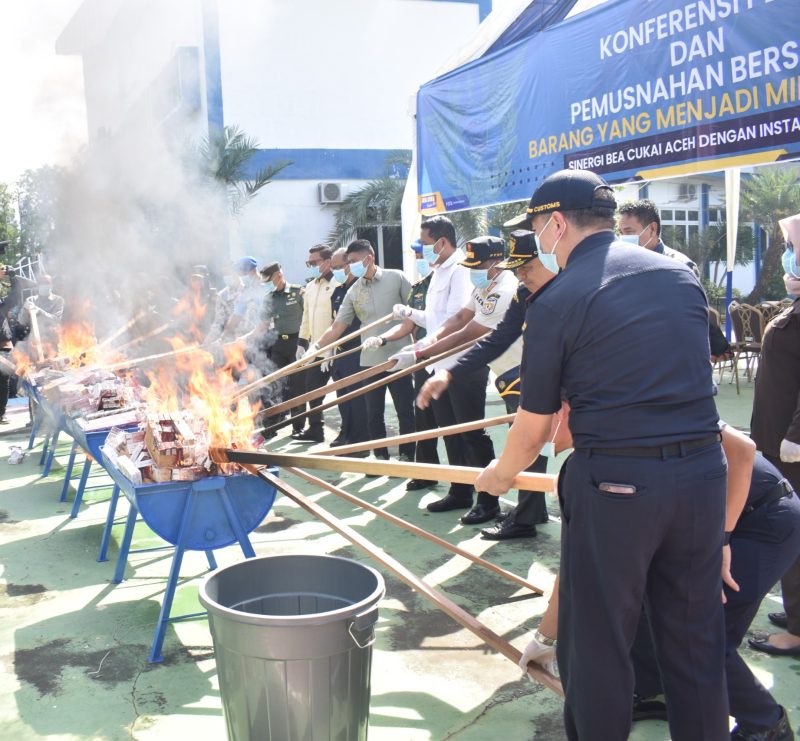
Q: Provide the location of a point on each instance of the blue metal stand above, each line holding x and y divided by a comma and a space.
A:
102, 555
76, 505
48, 464
68, 473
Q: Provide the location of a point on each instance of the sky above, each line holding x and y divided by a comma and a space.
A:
43, 117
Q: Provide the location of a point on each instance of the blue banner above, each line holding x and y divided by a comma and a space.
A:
631, 90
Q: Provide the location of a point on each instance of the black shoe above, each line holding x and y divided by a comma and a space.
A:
309, 436
779, 619
507, 530
417, 484
648, 708
781, 731
337, 441
763, 644
503, 516
479, 514
445, 504
405, 458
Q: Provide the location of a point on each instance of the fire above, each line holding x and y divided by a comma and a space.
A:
77, 345
22, 362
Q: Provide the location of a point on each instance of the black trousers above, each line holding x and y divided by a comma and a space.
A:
763, 545
427, 450
663, 541
402, 392
283, 352
5, 383
531, 506
313, 379
465, 401
790, 583
353, 412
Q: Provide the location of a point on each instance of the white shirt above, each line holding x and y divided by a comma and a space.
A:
449, 290
490, 306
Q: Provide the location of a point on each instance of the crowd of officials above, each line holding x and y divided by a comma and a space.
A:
597, 338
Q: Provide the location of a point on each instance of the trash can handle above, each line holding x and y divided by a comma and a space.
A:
362, 622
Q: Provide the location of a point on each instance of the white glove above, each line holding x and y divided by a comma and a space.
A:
404, 359
326, 366
312, 351
792, 285
541, 654
401, 311
30, 304
790, 452
371, 343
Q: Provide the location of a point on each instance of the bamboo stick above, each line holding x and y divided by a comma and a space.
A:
369, 387
292, 367
445, 604
37, 338
414, 529
157, 356
124, 328
417, 436
295, 401
333, 357
399, 469
137, 340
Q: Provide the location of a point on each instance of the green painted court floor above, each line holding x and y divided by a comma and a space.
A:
74, 646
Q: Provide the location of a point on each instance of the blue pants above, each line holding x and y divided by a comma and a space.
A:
765, 542
665, 541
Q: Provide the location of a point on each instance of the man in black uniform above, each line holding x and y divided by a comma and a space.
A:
521, 521
647, 480
353, 412
284, 306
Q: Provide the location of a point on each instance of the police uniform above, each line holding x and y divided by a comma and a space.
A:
285, 307
353, 412
531, 509
646, 485
764, 542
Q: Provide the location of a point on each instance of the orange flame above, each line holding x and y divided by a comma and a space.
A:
22, 362
77, 344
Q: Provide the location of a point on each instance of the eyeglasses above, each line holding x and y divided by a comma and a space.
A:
313, 263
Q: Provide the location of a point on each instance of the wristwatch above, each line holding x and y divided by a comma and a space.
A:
544, 639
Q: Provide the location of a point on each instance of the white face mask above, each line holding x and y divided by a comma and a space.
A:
634, 238
548, 260
549, 448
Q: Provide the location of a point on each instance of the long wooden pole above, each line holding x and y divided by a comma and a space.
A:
400, 469
333, 358
357, 377
445, 604
37, 337
297, 364
124, 328
137, 340
365, 389
414, 529
417, 436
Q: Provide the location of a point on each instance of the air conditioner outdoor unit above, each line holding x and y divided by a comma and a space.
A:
687, 192
331, 192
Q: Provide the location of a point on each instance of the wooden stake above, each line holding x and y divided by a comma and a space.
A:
150, 358
292, 367
445, 604
138, 340
417, 436
414, 529
399, 469
37, 338
124, 328
369, 387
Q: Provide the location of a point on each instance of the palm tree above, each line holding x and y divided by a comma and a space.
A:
772, 194
225, 156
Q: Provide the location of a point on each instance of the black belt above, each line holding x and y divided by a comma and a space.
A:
288, 336
671, 450
782, 489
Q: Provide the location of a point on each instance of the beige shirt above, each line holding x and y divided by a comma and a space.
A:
317, 308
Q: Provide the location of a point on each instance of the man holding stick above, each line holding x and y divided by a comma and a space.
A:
372, 296
647, 481
495, 347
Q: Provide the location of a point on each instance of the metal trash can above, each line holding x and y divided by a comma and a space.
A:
293, 642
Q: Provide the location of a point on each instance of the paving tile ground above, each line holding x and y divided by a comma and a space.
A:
74, 646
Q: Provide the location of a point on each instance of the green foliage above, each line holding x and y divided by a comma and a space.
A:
224, 157
39, 194
9, 231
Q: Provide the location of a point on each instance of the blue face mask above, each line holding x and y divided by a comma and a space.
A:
313, 272
479, 278
423, 268
358, 269
548, 259
269, 286
429, 253
633, 239
790, 263
340, 275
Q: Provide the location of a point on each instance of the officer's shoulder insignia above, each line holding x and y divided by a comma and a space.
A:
490, 303
501, 385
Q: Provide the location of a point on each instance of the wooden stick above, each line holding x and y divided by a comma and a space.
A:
333, 357
292, 367
369, 387
414, 529
400, 469
417, 436
295, 401
37, 338
150, 358
124, 328
143, 338
445, 604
